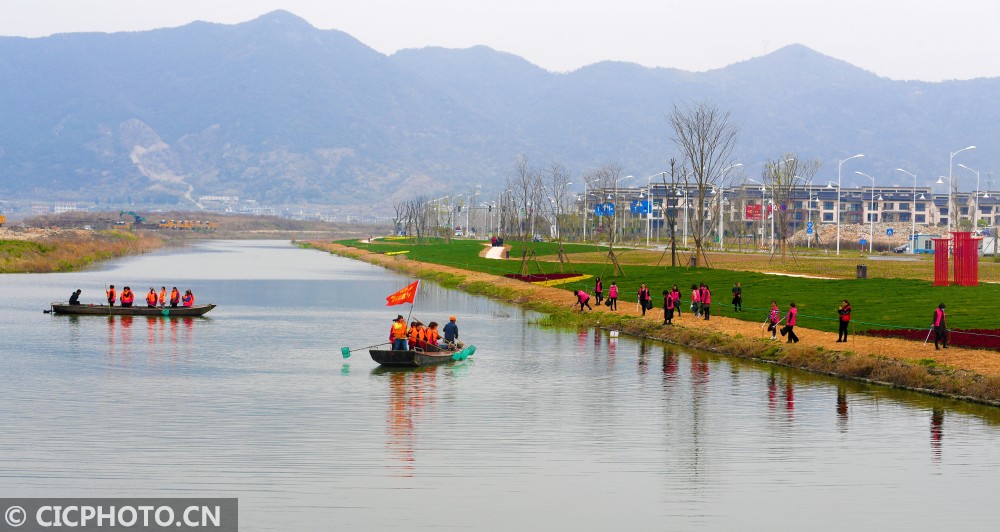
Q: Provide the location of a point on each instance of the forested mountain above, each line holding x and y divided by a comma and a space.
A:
279, 111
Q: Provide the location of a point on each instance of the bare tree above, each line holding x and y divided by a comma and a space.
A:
527, 192
706, 138
399, 215
783, 177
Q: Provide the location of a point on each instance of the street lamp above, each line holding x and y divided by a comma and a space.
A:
953, 185
871, 214
762, 189
913, 213
975, 216
722, 197
840, 163
500, 209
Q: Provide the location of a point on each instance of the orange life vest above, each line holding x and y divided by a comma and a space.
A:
151, 298
398, 331
163, 296
188, 300
433, 336
112, 295
127, 296
175, 296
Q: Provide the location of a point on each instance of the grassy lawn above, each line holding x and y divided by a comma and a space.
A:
877, 302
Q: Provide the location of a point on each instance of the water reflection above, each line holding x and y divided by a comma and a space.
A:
937, 431
842, 408
177, 334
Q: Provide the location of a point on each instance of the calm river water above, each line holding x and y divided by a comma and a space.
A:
540, 430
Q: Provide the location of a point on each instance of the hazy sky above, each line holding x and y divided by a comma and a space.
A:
929, 40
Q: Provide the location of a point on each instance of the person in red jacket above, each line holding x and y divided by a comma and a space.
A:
845, 318
940, 327
188, 299
706, 300
127, 297
151, 298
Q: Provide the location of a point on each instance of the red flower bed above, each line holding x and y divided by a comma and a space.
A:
540, 277
974, 338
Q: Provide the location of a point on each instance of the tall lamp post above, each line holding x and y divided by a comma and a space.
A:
953, 186
840, 163
975, 215
871, 214
722, 197
913, 212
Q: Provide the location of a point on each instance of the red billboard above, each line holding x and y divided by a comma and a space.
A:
752, 212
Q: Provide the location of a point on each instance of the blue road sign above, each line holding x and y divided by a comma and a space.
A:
864, 241
809, 230
809, 225
890, 231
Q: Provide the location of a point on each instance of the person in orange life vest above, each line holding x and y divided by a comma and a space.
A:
112, 296
188, 299
175, 297
151, 298
411, 335
163, 296
940, 328
397, 334
432, 336
127, 297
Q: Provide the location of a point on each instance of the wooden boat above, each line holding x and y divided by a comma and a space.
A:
412, 358
104, 310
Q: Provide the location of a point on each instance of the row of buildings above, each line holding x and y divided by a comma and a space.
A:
919, 205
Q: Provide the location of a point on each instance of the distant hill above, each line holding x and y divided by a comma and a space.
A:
276, 110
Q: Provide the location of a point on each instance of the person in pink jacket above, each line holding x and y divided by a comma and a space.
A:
706, 300
940, 327
695, 300
613, 296
790, 323
583, 298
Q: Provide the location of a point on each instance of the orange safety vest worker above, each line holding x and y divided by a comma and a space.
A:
175, 297
112, 295
433, 336
127, 297
188, 299
151, 298
397, 331
163, 296
412, 334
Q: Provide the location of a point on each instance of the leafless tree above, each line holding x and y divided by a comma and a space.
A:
399, 215
557, 187
783, 177
706, 138
602, 182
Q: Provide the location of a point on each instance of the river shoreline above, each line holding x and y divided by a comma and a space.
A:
962, 374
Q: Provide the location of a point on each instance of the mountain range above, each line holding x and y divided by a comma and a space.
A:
276, 110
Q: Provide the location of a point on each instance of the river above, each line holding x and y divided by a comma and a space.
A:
541, 429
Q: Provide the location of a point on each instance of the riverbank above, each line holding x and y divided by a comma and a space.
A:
962, 373
64, 250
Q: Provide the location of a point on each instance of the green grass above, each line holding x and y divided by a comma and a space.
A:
877, 303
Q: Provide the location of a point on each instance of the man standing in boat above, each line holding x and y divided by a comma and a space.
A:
451, 334
112, 296
397, 334
175, 297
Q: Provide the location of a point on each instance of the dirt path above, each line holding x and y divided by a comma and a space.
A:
979, 361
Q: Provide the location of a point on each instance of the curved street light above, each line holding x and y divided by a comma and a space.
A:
975, 215
871, 214
953, 186
913, 213
840, 163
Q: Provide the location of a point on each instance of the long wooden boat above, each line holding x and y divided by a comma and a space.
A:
104, 310
411, 358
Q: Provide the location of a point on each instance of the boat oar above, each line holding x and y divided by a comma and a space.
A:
346, 351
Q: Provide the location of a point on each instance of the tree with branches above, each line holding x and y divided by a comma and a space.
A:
783, 177
706, 138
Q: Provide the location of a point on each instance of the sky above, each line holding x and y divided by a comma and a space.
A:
898, 39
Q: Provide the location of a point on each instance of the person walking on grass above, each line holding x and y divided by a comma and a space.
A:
940, 327
613, 296
737, 297
845, 318
599, 291
790, 323
772, 320
583, 298
706, 301
668, 307
644, 298
676, 292
695, 300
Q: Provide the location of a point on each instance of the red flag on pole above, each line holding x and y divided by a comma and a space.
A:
406, 295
